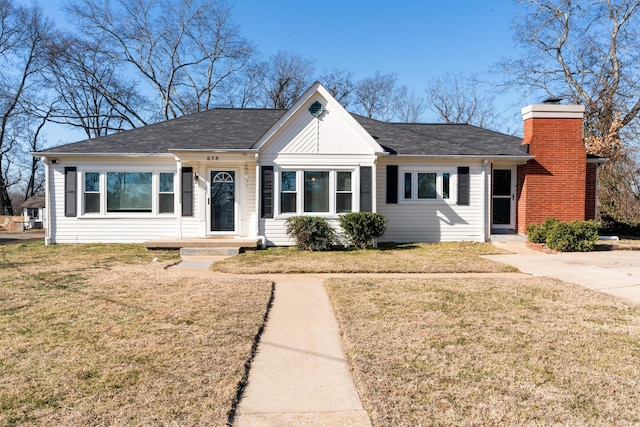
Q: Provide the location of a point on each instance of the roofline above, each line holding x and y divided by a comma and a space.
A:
597, 160
468, 156
66, 154
213, 150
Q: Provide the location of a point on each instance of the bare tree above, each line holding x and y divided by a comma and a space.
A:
285, 77
340, 85
91, 93
455, 98
23, 32
588, 52
374, 96
182, 50
410, 106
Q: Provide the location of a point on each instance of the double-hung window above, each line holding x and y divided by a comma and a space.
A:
316, 191
166, 193
92, 192
427, 185
344, 192
288, 192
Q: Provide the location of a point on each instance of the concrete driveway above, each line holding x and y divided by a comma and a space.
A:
6, 237
613, 272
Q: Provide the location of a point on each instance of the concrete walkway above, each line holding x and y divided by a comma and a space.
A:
300, 375
613, 272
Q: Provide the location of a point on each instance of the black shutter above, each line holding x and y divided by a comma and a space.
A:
187, 191
266, 191
463, 185
70, 191
366, 183
392, 183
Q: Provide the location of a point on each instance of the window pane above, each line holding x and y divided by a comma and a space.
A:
446, 178
407, 185
501, 182
316, 191
166, 203
166, 182
92, 202
426, 186
129, 191
343, 202
288, 203
288, 181
92, 181
344, 181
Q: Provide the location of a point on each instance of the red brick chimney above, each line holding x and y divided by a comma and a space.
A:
552, 184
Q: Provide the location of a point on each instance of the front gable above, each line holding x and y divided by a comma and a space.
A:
301, 132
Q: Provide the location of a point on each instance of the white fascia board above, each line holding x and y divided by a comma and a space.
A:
308, 95
466, 157
134, 155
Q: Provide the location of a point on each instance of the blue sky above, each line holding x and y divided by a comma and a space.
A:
418, 40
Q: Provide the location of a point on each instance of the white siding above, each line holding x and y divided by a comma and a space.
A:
432, 220
111, 228
276, 230
333, 133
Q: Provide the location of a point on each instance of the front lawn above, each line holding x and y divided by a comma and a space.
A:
481, 351
455, 257
101, 335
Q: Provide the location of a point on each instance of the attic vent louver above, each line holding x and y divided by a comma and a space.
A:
316, 109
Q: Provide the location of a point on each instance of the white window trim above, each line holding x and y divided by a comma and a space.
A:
333, 178
414, 171
155, 195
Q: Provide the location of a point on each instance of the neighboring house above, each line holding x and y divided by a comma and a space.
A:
33, 212
243, 172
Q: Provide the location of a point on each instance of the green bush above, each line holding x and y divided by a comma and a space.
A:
576, 236
360, 228
311, 233
537, 233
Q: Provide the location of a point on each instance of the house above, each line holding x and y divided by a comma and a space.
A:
242, 172
33, 213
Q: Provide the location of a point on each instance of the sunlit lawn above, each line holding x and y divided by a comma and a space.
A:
100, 335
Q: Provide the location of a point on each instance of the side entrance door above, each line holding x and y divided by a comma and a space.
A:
223, 201
503, 197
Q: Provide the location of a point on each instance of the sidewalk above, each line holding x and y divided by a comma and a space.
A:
300, 375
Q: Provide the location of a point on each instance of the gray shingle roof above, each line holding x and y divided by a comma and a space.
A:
441, 139
237, 129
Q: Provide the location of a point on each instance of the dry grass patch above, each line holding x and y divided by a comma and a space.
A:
99, 335
455, 257
527, 351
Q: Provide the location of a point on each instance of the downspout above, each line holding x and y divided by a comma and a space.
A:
486, 191
47, 203
263, 239
179, 187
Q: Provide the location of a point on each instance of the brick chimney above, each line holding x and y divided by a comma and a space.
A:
552, 184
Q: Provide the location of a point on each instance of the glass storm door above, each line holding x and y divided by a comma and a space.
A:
223, 201
503, 199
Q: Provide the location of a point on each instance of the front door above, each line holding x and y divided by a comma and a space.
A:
223, 201
503, 199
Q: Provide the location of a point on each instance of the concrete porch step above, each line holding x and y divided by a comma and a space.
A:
209, 251
210, 242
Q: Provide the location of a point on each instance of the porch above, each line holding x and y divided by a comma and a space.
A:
242, 244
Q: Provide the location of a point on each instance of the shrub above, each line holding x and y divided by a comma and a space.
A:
537, 233
580, 236
311, 233
360, 228
568, 237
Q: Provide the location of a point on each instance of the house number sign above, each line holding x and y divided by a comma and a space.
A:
212, 158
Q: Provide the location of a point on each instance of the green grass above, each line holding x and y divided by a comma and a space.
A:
101, 335
455, 257
481, 351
